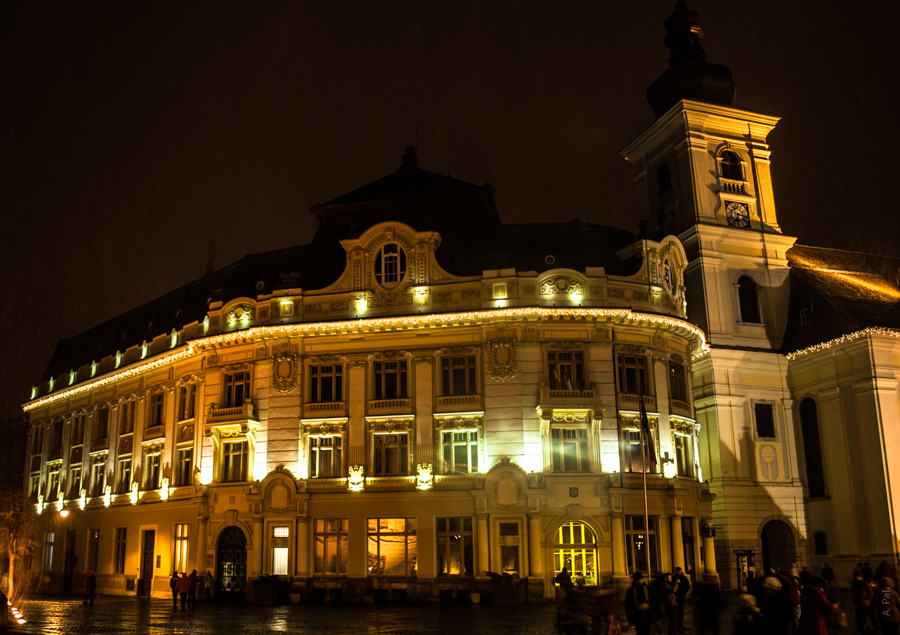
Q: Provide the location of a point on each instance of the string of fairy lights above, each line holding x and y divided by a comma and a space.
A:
872, 330
369, 325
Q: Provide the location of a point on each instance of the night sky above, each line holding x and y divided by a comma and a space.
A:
138, 137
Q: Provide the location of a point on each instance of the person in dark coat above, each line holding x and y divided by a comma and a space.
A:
184, 587
640, 605
92, 581
707, 602
887, 607
814, 606
862, 594
805, 576
746, 618
668, 590
86, 587
792, 589
775, 605
173, 584
827, 575
868, 576
684, 585
192, 593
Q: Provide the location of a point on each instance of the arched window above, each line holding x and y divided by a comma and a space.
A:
390, 266
576, 550
731, 166
748, 300
812, 450
664, 178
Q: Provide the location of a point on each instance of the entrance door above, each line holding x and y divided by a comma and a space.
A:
778, 547
231, 564
509, 548
147, 563
70, 563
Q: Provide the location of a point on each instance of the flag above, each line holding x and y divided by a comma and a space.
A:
556, 377
648, 440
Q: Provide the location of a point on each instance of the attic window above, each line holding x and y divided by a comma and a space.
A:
390, 266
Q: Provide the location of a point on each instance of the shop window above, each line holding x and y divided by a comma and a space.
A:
184, 465
748, 300
458, 375
325, 457
391, 454
237, 389
119, 557
677, 382
187, 402
391, 380
459, 452
390, 266
566, 370
325, 383
576, 550
392, 547
235, 457
181, 548
632, 374
765, 420
331, 546
636, 540
569, 449
454, 546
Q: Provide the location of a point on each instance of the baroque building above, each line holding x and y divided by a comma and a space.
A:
423, 395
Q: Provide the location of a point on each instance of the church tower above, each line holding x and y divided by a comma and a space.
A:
703, 174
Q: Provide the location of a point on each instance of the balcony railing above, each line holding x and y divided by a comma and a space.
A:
327, 407
588, 396
731, 186
682, 408
154, 432
635, 480
460, 400
630, 402
233, 414
390, 404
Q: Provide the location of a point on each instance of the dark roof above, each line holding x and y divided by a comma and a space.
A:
839, 292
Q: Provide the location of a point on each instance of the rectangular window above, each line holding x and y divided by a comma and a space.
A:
281, 532
765, 420
128, 409
458, 375
101, 430
98, 478
237, 389
181, 548
325, 383
56, 432
390, 380
53, 485
184, 466
123, 476
392, 546
78, 430
331, 546
459, 451
93, 549
119, 558
391, 454
631, 440
155, 412
187, 402
677, 383
75, 481
280, 560
454, 546
636, 542
632, 375
325, 457
569, 449
684, 463
151, 473
49, 538
820, 541
566, 371
37, 441
34, 487
234, 464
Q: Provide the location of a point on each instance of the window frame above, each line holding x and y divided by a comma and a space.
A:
187, 402
120, 550
156, 409
443, 538
122, 485
558, 378
410, 566
388, 269
380, 375
152, 468
181, 542
341, 545
182, 479
128, 417
678, 385
631, 550
98, 486
386, 440
337, 455
227, 458
236, 388
470, 377
448, 454
565, 552
583, 448
756, 406
316, 373
642, 383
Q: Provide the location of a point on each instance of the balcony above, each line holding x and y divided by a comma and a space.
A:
732, 186
325, 409
100, 444
232, 415
154, 432
630, 402
393, 405
586, 398
680, 408
453, 403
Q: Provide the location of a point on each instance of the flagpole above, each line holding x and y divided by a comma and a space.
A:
644, 449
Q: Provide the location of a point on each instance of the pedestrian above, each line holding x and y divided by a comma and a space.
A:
184, 587
208, 586
805, 576
889, 572
747, 615
868, 576
775, 606
887, 607
92, 580
173, 584
640, 605
827, 575
668, 589
684, 585
707, 603
192, 593
862, 594
814, 607
86, 585
792, 589
564, 585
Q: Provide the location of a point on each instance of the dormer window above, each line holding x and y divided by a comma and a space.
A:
390, 266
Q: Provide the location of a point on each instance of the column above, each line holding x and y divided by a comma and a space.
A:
535, 557
662, 543
202, 531
709, 547
677, 543
303, 549
258, 541
620, 562
483, 545
424, 367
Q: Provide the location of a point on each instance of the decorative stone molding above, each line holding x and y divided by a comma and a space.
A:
284, 373
356, 480
240, 313
502, 364
425, 477
562, 285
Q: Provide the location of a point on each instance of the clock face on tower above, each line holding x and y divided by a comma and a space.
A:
737, 214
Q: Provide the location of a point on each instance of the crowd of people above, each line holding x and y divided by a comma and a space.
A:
774, 602
186, 587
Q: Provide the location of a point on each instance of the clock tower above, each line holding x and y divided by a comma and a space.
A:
703, 174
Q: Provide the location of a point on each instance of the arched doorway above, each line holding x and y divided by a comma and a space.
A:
231, 564
576, 550
778, 548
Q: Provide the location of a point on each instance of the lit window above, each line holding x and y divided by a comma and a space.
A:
566, 371
119, 560
325, 457
684, 465
181, 548
235, 459
390, 380
281, 532
390, 266
331, 546
636, 544
632, 374
391, 454
454, 546
392, 546
569, 449
280, 550
458, 376
325, 383
237, 389
184, 466
576, 550
459, 452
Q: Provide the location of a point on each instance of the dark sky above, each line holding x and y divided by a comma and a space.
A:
137, 134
